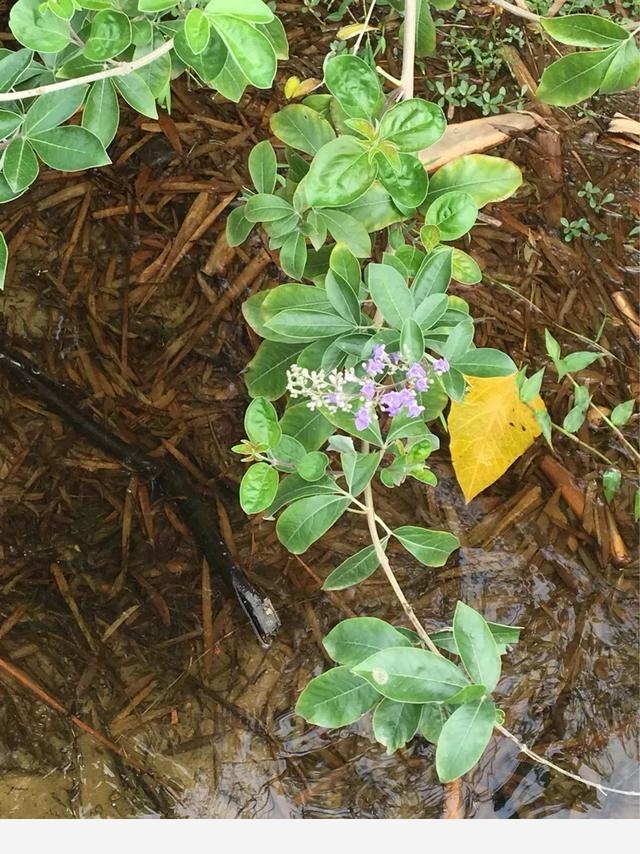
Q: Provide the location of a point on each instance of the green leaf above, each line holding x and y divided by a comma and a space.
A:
20, 165
408, 183
12, 66
150, 5
70, 149
340, 173
434, 275
293, 255
486, 179
432, 718
36, 29
391, 294
9, 122
584, 30
238, 226
294, 487
336, 698
574, 362
210, 62
611, 480
353, 640
137, 94
476, 646
375, 209
411, 259
265, 207
454, 213
4, 256
306, 520
354, 569
313, 466
342, 298
263, 166
312, 429
464, 268
413, 125
485, 362
430, 310
197, 30
395, 724
101, 115
275, 32
250, 49
302, 128
261, 423
551, 345
504, 636
575, 77
250, 10
266, 373
345, 265
411, 341
49, 111
463, 739
359, 469
411, 675
431, 548
346, 229
110, 35
425, 31
622, 412
288, 453
300, 325
624, 71
258, 487
355, 84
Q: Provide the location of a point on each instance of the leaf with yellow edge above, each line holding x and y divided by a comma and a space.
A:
296, 88
350, 30
489, 430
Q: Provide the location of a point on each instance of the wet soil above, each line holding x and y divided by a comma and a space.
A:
121, 286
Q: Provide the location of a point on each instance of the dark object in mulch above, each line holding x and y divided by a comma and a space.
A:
171, 478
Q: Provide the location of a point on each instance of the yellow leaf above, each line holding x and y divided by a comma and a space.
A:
296, 88
489, 430
351, 30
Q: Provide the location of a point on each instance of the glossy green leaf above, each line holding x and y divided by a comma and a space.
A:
584, 30
485, 362
353, 570
302, 128
313, 466
101, 114
110, 35
411, 675
336, 698
624, 71
355, 639
464, 738
340, 173
485, 178
622, 412
345, 264
504, 636
197, 30
265, 207
434, 275
310, 428
137, 94
346, 229
432, 718
20, 165
575, 77
359, 469
390, 294
464, 268
251, 50
355, 84
258, 487
49, 111
407, 184
476, 646
293, 487
207, 64
263, 167
70, 149
266, 373
342, 297
261, 423
275, 32
37, 28
300, 325
454, 213
413, 125
306, 520
375, 209
250, 10
12, 66
293, 255
431, 548
411, 341
9, 122
395, 724
430, 310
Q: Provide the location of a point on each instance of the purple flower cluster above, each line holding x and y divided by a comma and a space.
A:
345, 391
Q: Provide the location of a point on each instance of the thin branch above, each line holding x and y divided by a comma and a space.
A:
120, 70
516, 10
409, 47
356, 46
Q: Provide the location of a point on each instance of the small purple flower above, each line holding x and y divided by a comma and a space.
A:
440, 366
395, 358
363, 418
416, 372
368, 389
393, 401
377, 362
332, 399
422, 384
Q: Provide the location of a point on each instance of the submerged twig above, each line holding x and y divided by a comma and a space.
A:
197, 513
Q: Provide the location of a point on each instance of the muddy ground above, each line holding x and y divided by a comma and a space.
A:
121, 286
